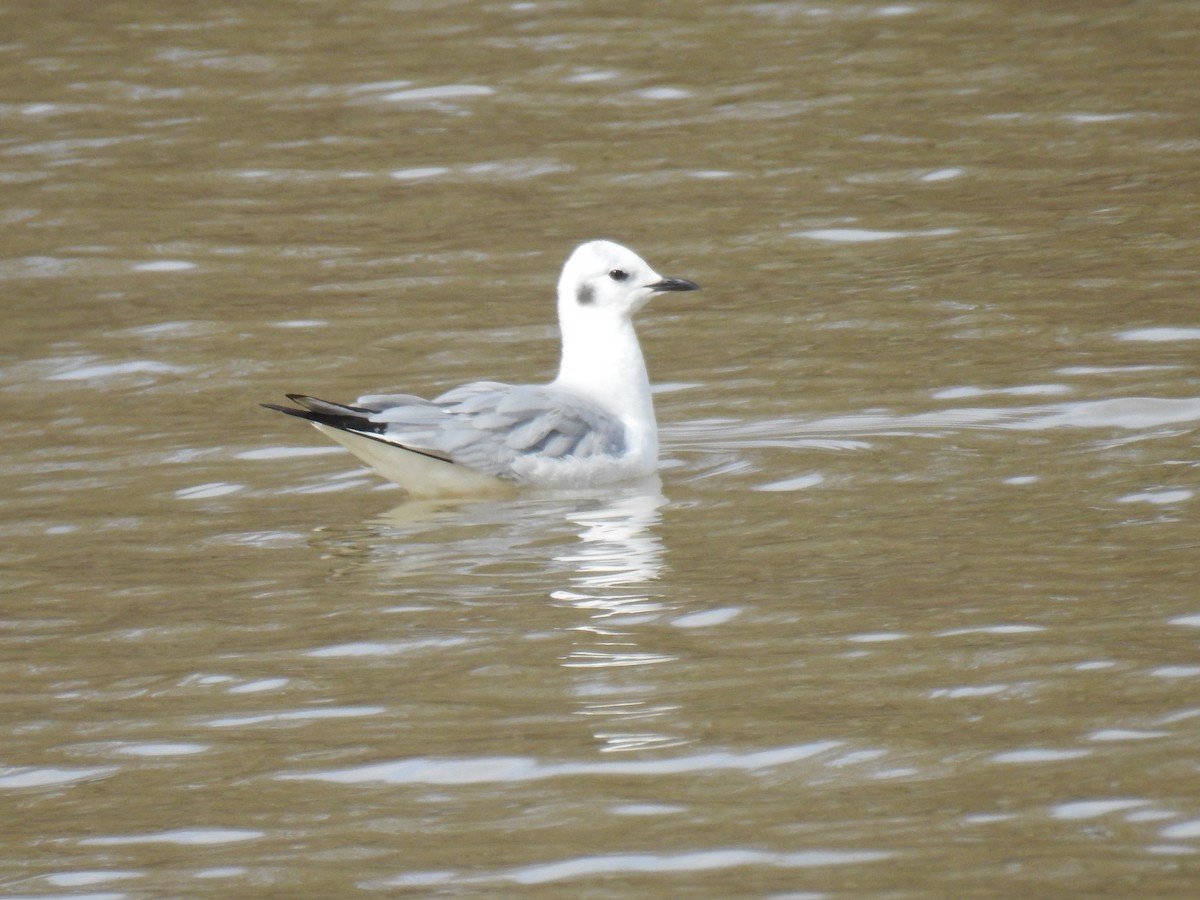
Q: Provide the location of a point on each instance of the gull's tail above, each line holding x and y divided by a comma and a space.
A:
334, 415
420, 472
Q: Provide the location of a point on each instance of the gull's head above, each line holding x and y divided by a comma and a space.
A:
605, 279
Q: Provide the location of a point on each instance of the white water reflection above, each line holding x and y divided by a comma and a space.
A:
36, 777
439, 92
496, 769
615, 864
182, 836
617, 556
84, 879
865, 235
1131, 413
1182, 830
295, 715
1160, 334
1038, 755
161, 749
597, 553
1090, 809
699, 861
615, 550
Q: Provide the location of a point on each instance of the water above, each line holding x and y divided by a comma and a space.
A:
911, 610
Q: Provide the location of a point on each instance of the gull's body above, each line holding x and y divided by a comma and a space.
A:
593, 424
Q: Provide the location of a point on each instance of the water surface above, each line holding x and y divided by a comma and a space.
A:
912, 608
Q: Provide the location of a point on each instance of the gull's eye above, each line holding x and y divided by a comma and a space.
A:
618, 274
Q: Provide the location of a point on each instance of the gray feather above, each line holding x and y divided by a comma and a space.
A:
487, 426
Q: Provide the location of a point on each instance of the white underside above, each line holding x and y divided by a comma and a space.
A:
425, 477
421, 476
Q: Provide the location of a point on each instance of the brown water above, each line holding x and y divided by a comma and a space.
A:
915, 611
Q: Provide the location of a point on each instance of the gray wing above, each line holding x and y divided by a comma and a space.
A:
487, 426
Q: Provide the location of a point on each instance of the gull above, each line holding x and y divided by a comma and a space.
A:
592, 425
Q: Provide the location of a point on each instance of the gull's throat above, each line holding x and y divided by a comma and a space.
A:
603, 362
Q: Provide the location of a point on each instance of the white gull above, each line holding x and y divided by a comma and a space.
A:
594, 424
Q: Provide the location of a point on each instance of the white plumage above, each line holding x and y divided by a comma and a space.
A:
592, 425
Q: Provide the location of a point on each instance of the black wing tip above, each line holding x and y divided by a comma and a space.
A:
354, 424
353, 419
313, 406
290, 410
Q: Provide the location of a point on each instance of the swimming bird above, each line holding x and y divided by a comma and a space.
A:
593, 424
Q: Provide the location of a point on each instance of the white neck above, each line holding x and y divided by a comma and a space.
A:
601, 360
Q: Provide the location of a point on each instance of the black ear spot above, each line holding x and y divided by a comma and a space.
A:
585, 295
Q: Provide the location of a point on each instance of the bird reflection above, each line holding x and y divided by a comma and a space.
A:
619, 550
616, 550
596, 552
619, 556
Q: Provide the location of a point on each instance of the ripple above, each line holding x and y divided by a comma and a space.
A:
942, 174
498, 170
115, 370
1091, 809
877, 637
664, 93
257, 687
504, 769
208, 491
1189, 829
993, 629
618, 863
958, 393
222, 872
1150, 815
1176, 672
847, 430
1133, 413
590, 77
164, 265
162, 749
1161, 334
273, 453
385, 648
700, 861
181, 328
983, 690
82, 879
419, 172
647, 809
1092, 118
28, 776
865, 235
605, 659
296, 715
439, 92
1112, 370
193, 837
1039, 756
708, 618
1158, 498
1125, 734
798, 483
68, 146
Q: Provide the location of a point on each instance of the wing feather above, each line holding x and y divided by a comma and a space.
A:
485, 425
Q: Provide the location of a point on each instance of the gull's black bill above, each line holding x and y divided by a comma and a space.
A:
674, 284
